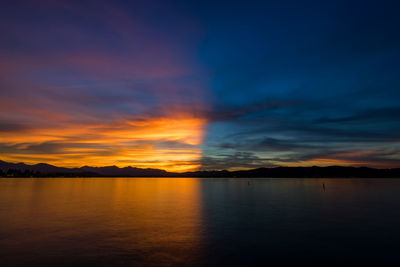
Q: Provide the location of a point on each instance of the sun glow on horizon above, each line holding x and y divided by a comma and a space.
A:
171, 143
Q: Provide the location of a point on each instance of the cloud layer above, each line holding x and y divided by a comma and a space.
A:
97, 84
187, 85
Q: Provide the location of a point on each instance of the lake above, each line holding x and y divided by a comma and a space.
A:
198, 222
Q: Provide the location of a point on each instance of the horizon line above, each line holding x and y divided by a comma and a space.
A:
199, 170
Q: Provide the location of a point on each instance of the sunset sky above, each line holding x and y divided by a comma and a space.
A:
186, 85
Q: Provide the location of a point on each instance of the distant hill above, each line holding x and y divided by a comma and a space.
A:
46, 170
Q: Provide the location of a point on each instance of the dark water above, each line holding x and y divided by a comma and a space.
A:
207, 222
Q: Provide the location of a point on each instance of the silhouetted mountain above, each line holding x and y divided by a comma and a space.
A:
126, 171
46, 170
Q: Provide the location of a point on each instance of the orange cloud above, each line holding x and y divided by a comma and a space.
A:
347, 161
330, 161
128, 95
136, 143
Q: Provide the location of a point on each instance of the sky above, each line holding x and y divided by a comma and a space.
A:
188, 85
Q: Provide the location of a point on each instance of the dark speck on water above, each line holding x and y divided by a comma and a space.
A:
199, 222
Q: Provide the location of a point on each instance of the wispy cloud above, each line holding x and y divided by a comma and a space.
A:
98, 86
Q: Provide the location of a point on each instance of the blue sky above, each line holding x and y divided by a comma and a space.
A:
226, 85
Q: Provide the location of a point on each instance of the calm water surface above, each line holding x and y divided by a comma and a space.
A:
199, 222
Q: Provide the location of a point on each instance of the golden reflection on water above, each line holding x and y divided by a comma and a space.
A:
132, 219
198, 222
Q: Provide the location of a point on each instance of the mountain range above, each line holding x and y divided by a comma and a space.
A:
46, 170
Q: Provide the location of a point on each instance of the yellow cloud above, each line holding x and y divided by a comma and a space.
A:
124, 143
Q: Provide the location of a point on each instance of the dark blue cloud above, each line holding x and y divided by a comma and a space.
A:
279, 82
338, 61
